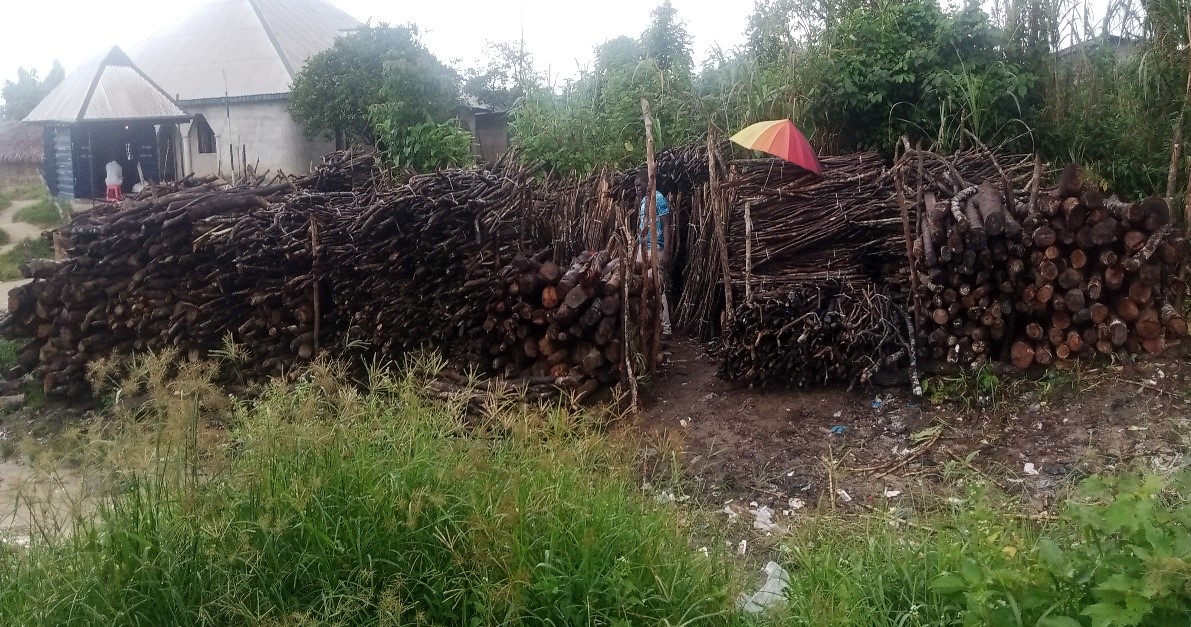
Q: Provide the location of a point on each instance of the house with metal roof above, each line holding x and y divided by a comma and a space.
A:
230, 64
106, 110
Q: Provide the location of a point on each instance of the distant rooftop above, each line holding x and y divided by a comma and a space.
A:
240, 48
20, 143
107, 88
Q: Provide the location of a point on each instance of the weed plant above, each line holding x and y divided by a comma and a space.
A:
322, 505
319, 503
45, 213
10, 261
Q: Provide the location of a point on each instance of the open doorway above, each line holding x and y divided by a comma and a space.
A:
132, 146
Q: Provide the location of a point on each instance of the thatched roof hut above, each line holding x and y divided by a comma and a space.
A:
21, 151
20, 143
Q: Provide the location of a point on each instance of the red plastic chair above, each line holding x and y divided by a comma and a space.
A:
115, 193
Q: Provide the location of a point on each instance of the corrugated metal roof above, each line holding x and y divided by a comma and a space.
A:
109, 88
239, 48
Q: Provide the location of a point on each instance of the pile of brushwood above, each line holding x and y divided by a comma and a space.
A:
813, 275
812, 261
339, 262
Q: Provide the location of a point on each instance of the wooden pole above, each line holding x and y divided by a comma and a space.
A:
315, 287
748, 252
1173, 176
717, 214
651, 213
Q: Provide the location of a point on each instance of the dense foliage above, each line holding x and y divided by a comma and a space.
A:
381, 85
860, 75
22, 96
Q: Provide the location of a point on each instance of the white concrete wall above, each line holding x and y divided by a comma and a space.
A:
272, 139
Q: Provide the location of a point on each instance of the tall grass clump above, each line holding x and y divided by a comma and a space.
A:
325, 505
24, 250
45, 212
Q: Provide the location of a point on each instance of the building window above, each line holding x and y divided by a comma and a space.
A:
206, 136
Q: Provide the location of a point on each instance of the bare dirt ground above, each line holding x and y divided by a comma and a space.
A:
831, 447
851, 449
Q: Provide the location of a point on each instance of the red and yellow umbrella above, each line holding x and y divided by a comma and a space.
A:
782, 139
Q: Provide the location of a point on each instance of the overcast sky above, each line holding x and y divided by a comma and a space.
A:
560, 34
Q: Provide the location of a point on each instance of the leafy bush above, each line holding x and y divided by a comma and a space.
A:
1124, 560
425, 146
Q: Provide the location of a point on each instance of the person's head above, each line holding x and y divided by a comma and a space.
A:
642, 182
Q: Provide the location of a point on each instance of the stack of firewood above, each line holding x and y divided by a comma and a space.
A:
1009, 272
809, 258
414, 269
815, 334
1105, 276
568, 325
183, 271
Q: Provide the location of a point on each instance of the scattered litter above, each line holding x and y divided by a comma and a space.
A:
797, 504
730, 512
878, 403
19, 540
838, 430
1149, 382
892, 494
743, 547
709, 396
838, 414
1029, 469
844, 496
770, 594
684, 423
1138, 428
955, 500
764, 519
665, 496
1161, 375
704, 552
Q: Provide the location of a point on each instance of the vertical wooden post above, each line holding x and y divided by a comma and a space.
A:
651, 213
748, 252
315, 287
718, 214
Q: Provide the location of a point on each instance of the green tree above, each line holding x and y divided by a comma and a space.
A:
667, 42
596, 119
336, 89
414, 121
22, 96
506, 77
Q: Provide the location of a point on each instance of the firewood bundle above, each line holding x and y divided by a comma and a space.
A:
834, 331
414, 269
806, 255
182, 272
545, 321
792, 227
1105, 277
354, 170
1007, 272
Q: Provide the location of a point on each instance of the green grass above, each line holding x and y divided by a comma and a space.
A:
364, 510
321, 504
28, 191
5, 238
45, 213
10, 262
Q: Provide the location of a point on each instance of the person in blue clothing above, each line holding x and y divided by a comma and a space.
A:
665, 239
